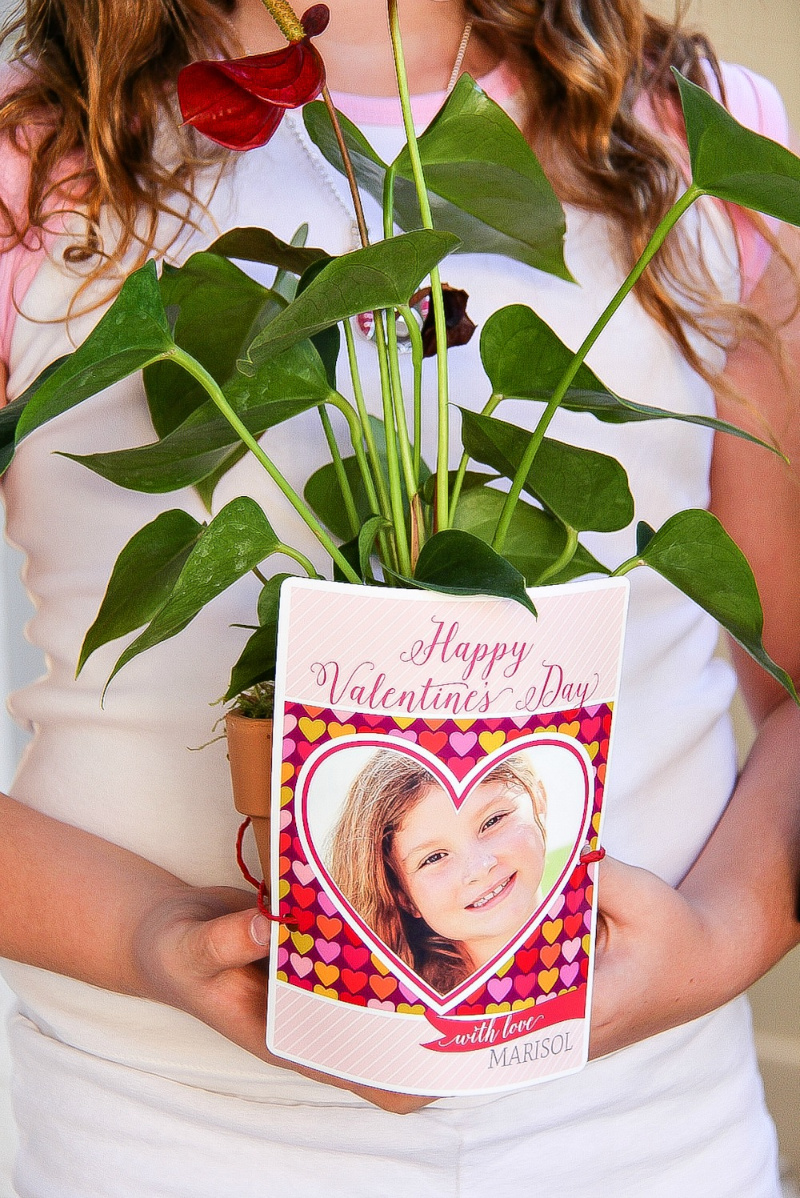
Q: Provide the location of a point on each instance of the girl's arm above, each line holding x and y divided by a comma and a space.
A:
676, 954
81, 906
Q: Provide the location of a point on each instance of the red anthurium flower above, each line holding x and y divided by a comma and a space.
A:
239, 102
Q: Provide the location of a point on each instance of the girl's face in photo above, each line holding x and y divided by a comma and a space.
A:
472, 874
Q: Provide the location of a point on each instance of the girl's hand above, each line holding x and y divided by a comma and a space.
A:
204, 951
660, 959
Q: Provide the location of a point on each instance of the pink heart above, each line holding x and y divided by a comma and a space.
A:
328, 950
289, 724
286, 817
499, 987
587, 919
304, 873
555, 908
325, 903
283, 956
301, 965
460, 766
568, 973
407, 734
380, 1006
289, 747
462, 742
571, 948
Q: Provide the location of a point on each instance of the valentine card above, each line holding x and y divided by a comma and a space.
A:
440, 777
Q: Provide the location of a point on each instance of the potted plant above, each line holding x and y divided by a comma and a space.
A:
226, 359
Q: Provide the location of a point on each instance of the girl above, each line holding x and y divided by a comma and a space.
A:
444, 889
139, 1038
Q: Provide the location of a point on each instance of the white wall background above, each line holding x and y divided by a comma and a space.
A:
764, 34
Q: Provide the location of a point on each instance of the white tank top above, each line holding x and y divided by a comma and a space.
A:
134, 771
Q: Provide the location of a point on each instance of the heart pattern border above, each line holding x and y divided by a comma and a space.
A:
323, 953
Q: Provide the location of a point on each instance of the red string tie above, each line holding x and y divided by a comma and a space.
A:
261, 887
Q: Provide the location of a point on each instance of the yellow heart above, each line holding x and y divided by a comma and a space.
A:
302, 942
586, 943
596, 820
463, 724
324, 992
592, 750
547, 979
551, 929
522, 1004
404, 721
281, 976
379, 965
570, 729
498, 1008
404, 1009
283, 888
312, 729
489, 741
286, 795
503, 969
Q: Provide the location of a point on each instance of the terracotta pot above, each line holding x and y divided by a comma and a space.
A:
250, 757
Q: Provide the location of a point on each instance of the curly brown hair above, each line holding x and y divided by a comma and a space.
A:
95, 89
361, 857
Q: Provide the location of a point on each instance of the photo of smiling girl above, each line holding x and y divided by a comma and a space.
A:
445, 889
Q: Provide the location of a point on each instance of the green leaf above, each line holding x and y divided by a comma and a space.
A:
585, 489
485, 183
132, 333
459, 563
380, 276
734, 163
535, 540
525, 359
257, 660
10, 414
235, 541
282, 388
259, 245
219, 311
693, 551
367, 535
143, 577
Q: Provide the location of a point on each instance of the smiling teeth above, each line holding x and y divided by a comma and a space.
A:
485, 898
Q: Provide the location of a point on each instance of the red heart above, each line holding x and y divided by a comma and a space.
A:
575, 899
526, 959
354, 980
433, 741
577, 876
573, 924
304, 895
355, 956
525, 984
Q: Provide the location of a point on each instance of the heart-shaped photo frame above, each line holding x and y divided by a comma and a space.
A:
444, 878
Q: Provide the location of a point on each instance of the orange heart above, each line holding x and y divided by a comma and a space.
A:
327, 974
383, 987
287, 771
547, 979
550, 954
551, 929
330, 928
570, 729
379, 965
341, 730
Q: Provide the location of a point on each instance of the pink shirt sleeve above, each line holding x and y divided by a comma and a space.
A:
19, 262
756, 103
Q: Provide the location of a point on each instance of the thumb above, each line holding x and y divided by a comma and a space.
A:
618, 886
228, 942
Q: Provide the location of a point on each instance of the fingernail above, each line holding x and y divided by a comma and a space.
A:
259, 929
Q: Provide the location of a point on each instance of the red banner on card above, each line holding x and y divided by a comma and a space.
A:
469, 1033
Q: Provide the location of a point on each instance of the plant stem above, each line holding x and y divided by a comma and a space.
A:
627, 566
364, 424
415, 336
395, 492
654, 244
442, 505
210, 385
564, 558
341, 475
348, 166
298, 557
458, 483
398, 404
